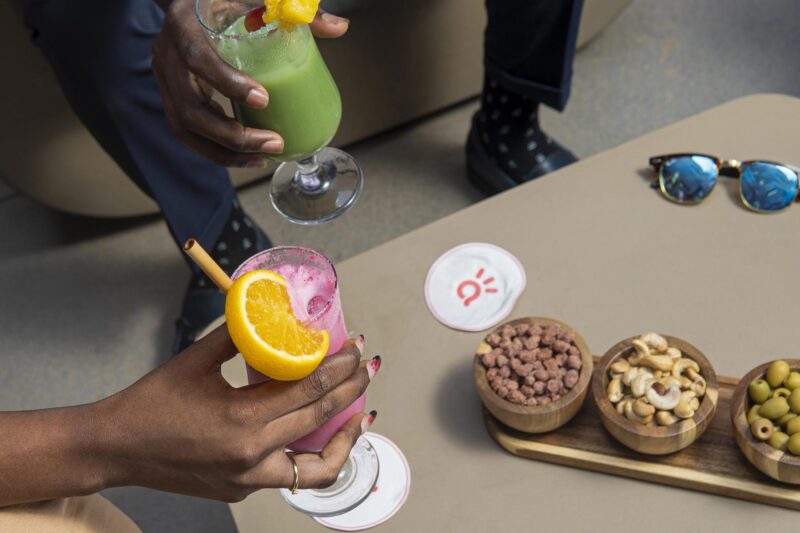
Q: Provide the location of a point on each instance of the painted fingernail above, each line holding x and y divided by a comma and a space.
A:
368, 421
360, 344
374, 366
257, 98
273, 146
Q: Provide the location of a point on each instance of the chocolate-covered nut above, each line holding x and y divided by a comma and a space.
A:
574, 351
491, 373
522, 329
507, 331
505, 342
571, 378
516, 396
567, 336
535, 330
524, 370
493, 340
561, 372
561, 346
489, 359
544, 400
561, 359
548, 339
531, 402
496, 382
515, 364
505, 371
511, 384
516, 344
551, 366
531, 343
574, 361
544, 354
502, 360
502, 391
527, 391
530, 380
537, 365
541, 374
553, 386
539, 387
527, 356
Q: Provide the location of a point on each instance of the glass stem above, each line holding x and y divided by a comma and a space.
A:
308, 177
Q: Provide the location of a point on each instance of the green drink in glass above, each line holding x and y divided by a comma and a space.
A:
315, 183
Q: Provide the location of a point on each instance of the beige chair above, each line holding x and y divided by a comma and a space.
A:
400, 61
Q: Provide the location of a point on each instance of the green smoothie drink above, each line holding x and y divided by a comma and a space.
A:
304, 103
315, 183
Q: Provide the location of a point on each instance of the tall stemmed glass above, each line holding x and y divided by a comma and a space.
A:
315, 183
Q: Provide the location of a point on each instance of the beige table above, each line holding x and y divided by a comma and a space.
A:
605, 253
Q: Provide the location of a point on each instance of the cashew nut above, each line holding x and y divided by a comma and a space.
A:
663, 398
695, 403
658, 374
630, 415
674, 353
654, 341
693, 374
685, 382
682, 364
669, 380
642, 408
630, 375
699, 386
642, 351
483, 348
665, 418
657, 362
684, 408
640, 384
620, 366
621, 405
614, 390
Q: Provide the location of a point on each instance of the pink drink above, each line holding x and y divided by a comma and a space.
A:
314, 292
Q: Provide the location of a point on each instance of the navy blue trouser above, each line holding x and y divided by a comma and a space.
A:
101, 50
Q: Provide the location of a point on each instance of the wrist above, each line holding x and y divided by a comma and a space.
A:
93, 446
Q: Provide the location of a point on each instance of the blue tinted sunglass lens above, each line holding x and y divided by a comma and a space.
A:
688, 179
767, 186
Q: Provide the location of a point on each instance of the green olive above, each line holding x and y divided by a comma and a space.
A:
794, 401
792, 381
793, 426
785, 418
759, 391
777, 372
780, 391
761, 428
774, 408
793, 446
778, 440
752, 414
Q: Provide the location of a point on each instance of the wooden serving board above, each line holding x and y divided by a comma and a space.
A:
713, 463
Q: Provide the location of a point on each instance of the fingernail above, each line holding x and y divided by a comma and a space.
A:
374, 366
360, 344
333, 19
273, 146
368, 421
257, 98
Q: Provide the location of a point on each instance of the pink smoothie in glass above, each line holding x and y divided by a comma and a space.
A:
314, 292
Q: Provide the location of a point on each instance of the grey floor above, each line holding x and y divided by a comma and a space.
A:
87, 305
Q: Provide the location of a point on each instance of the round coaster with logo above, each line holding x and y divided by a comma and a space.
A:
474, 286
388, 495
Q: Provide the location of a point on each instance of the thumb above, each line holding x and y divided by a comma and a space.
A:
328, 26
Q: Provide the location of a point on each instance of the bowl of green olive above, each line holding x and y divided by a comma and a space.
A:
765, 412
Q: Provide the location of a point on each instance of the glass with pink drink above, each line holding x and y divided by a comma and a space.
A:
314, 293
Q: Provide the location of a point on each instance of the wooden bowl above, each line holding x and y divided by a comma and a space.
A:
537, 419
659, 440
774, 463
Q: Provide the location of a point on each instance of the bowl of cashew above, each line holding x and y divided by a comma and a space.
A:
656, 394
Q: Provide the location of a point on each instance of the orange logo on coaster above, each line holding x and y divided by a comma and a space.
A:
474, 287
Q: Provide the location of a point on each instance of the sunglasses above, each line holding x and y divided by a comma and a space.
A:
764, 186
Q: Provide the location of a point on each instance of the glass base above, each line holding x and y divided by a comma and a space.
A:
355, 482
387, 496
318, 189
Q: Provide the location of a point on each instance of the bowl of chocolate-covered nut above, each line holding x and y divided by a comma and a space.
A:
532, 374
654, 393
